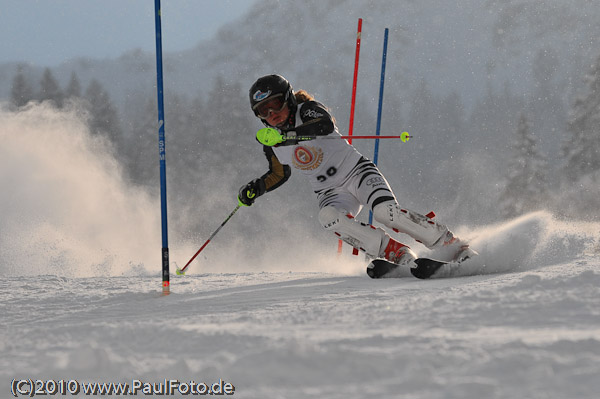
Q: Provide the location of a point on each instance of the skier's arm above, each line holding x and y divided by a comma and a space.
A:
316, 120
275, 177
277, 174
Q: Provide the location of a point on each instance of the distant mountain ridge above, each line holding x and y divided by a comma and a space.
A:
454, 46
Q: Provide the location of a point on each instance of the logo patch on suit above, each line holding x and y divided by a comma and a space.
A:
307, 157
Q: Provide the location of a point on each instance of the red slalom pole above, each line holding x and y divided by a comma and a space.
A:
351, 125
181, 271
354, 83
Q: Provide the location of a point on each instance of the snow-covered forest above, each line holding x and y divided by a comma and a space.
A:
532, 173
464, 146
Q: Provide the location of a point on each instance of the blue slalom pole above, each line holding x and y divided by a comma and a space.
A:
162, 151
381, 84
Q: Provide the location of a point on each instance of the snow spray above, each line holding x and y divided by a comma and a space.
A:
66, 207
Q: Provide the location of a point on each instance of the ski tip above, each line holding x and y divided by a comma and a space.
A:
378, 268
426, 267
370, 273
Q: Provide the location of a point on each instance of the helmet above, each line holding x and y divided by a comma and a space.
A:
270, 86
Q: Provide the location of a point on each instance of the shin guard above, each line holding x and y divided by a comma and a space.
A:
372, 240
419, 227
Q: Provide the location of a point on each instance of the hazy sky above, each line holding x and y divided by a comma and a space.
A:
48, 32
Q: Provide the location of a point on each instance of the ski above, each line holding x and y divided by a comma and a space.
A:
378, 268
425, 268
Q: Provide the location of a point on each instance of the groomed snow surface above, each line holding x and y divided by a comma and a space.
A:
528, 327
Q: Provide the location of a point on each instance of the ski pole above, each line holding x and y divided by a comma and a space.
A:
181, 272
404, 137
270, 137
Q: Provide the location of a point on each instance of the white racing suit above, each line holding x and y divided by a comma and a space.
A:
344, 182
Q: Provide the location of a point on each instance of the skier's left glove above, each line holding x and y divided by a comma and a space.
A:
249, 192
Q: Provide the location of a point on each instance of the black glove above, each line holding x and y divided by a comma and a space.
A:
249, 192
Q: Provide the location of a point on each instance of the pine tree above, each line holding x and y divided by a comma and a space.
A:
50, 90
546, 108
104, 118
451, 125
527, 185
225, 116
423, 122
21, 92
489, 123
423, 115
582, 151
141, 146
73, 89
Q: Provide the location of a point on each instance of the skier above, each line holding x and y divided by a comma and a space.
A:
343, 179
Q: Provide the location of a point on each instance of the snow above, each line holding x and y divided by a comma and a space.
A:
81, 297
531, 334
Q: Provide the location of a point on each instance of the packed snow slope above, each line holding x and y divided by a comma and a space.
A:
529, 332
81, 299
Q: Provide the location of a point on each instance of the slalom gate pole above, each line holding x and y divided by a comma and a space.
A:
181, 271
166, 289
351, 124
381, 84
354, 82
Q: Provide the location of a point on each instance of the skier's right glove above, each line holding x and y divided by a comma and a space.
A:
249, 192
269, 136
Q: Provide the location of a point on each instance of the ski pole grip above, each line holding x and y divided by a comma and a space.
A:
250, 193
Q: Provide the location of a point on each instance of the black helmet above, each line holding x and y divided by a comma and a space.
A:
269, 86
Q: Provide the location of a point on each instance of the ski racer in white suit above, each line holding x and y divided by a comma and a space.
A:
342, 178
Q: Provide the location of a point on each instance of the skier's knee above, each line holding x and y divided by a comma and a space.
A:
383, 213
360, 235
329, 217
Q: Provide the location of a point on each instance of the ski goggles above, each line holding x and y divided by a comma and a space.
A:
272, 104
